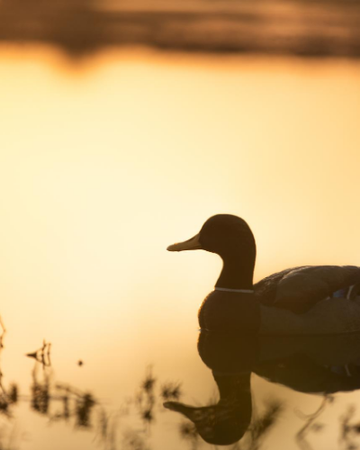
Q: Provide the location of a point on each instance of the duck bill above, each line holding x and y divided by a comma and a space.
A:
191, 244
187, 411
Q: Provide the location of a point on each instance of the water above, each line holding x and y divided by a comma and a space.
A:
293, 393
104, 164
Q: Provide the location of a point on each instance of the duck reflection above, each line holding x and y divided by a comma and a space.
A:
225, 422
318, 364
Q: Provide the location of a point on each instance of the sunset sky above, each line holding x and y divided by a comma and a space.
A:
105, 163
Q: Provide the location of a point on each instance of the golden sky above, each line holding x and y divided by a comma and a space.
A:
105, 163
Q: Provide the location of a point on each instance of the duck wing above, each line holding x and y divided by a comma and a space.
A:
298, 289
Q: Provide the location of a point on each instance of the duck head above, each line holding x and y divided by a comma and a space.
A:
231, 238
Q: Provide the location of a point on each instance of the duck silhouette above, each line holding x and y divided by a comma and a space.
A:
296, 301
320, 365
226, 421
309, 364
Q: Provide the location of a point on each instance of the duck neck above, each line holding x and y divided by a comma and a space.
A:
236, 274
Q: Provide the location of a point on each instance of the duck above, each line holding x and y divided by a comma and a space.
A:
304, 300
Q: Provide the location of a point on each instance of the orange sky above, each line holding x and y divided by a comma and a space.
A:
105, 164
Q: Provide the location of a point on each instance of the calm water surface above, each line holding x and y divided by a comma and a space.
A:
104, 164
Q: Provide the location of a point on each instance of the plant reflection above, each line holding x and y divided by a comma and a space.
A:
7, 396
311, 423
349, 431
63, 402
42, 355
189, 432
146, 398
74, 402
40, 395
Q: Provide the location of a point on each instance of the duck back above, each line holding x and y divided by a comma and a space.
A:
328, 317
230, 312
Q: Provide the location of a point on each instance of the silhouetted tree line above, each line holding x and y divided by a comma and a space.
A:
300, 27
